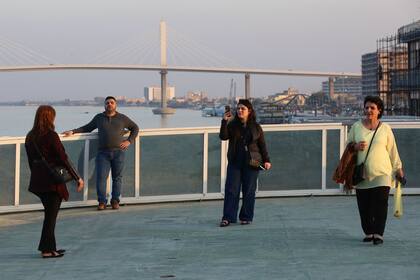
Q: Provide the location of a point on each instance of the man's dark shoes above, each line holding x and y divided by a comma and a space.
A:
101, 206
246, 222
115, 204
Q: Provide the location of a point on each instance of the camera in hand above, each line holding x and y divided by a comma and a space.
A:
227, 108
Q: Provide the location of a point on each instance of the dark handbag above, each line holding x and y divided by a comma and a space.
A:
359, 173
255, 159
359, 169
58, 173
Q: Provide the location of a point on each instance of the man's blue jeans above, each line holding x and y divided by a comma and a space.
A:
236, 177
107, 160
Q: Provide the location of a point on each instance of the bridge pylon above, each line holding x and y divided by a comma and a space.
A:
163, 110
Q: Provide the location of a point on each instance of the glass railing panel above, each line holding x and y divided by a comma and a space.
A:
93, 149
25, 197
171, 164
408, 143
128, 186
75, 150
296, 161
213, 183
7, 174
333, 156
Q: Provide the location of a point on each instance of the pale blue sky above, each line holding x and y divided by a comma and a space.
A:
324, 35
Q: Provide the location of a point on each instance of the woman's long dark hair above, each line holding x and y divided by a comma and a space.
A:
44, 121
252, 117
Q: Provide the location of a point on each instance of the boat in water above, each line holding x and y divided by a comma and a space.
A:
216, 111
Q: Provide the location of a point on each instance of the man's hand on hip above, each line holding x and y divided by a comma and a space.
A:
124, 144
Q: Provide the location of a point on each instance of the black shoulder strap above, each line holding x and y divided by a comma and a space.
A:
370, 144
38, 151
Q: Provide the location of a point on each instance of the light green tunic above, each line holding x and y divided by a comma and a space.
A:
383, 159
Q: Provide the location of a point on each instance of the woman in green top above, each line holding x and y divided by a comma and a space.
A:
382, 165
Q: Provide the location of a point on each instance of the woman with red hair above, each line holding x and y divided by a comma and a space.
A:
43, 142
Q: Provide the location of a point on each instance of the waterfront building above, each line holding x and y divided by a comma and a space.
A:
347, 90
287, 96
344, 85
369, 74
407, 79
398, 70
153, 93
196, 96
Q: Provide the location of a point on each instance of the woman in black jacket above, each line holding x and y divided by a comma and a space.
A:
43, 140
246, 144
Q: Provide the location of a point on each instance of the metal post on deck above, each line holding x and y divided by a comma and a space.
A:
247, 86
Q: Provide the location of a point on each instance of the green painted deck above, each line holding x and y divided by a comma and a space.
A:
291, 238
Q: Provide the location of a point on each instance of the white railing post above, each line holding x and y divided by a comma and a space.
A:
17, 175
223, 165
205, 162
86, 170
137, 167
343, 141
324, 160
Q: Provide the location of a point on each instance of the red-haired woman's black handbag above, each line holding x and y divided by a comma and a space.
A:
58, 173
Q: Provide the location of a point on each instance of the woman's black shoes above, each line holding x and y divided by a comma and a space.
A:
224, 223
52, 254
377, 241
368, 239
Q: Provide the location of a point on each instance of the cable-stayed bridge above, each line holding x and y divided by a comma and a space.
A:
178, 54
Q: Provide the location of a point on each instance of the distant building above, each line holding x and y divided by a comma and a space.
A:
152, 94
342, 85
99, 99
286, 96
120, 98
370, 74
135, 100
397, 71
196, 96
407, 78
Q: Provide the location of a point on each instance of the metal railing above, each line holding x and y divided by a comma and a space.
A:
187, 164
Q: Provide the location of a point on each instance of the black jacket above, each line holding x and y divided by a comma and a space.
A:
256, 143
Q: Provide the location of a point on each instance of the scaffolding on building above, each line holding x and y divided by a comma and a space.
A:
392, 59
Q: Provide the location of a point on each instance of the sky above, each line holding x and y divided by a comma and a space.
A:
323, 35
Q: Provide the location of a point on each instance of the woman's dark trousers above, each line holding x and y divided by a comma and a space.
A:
238, 176
373, 209
51, 202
